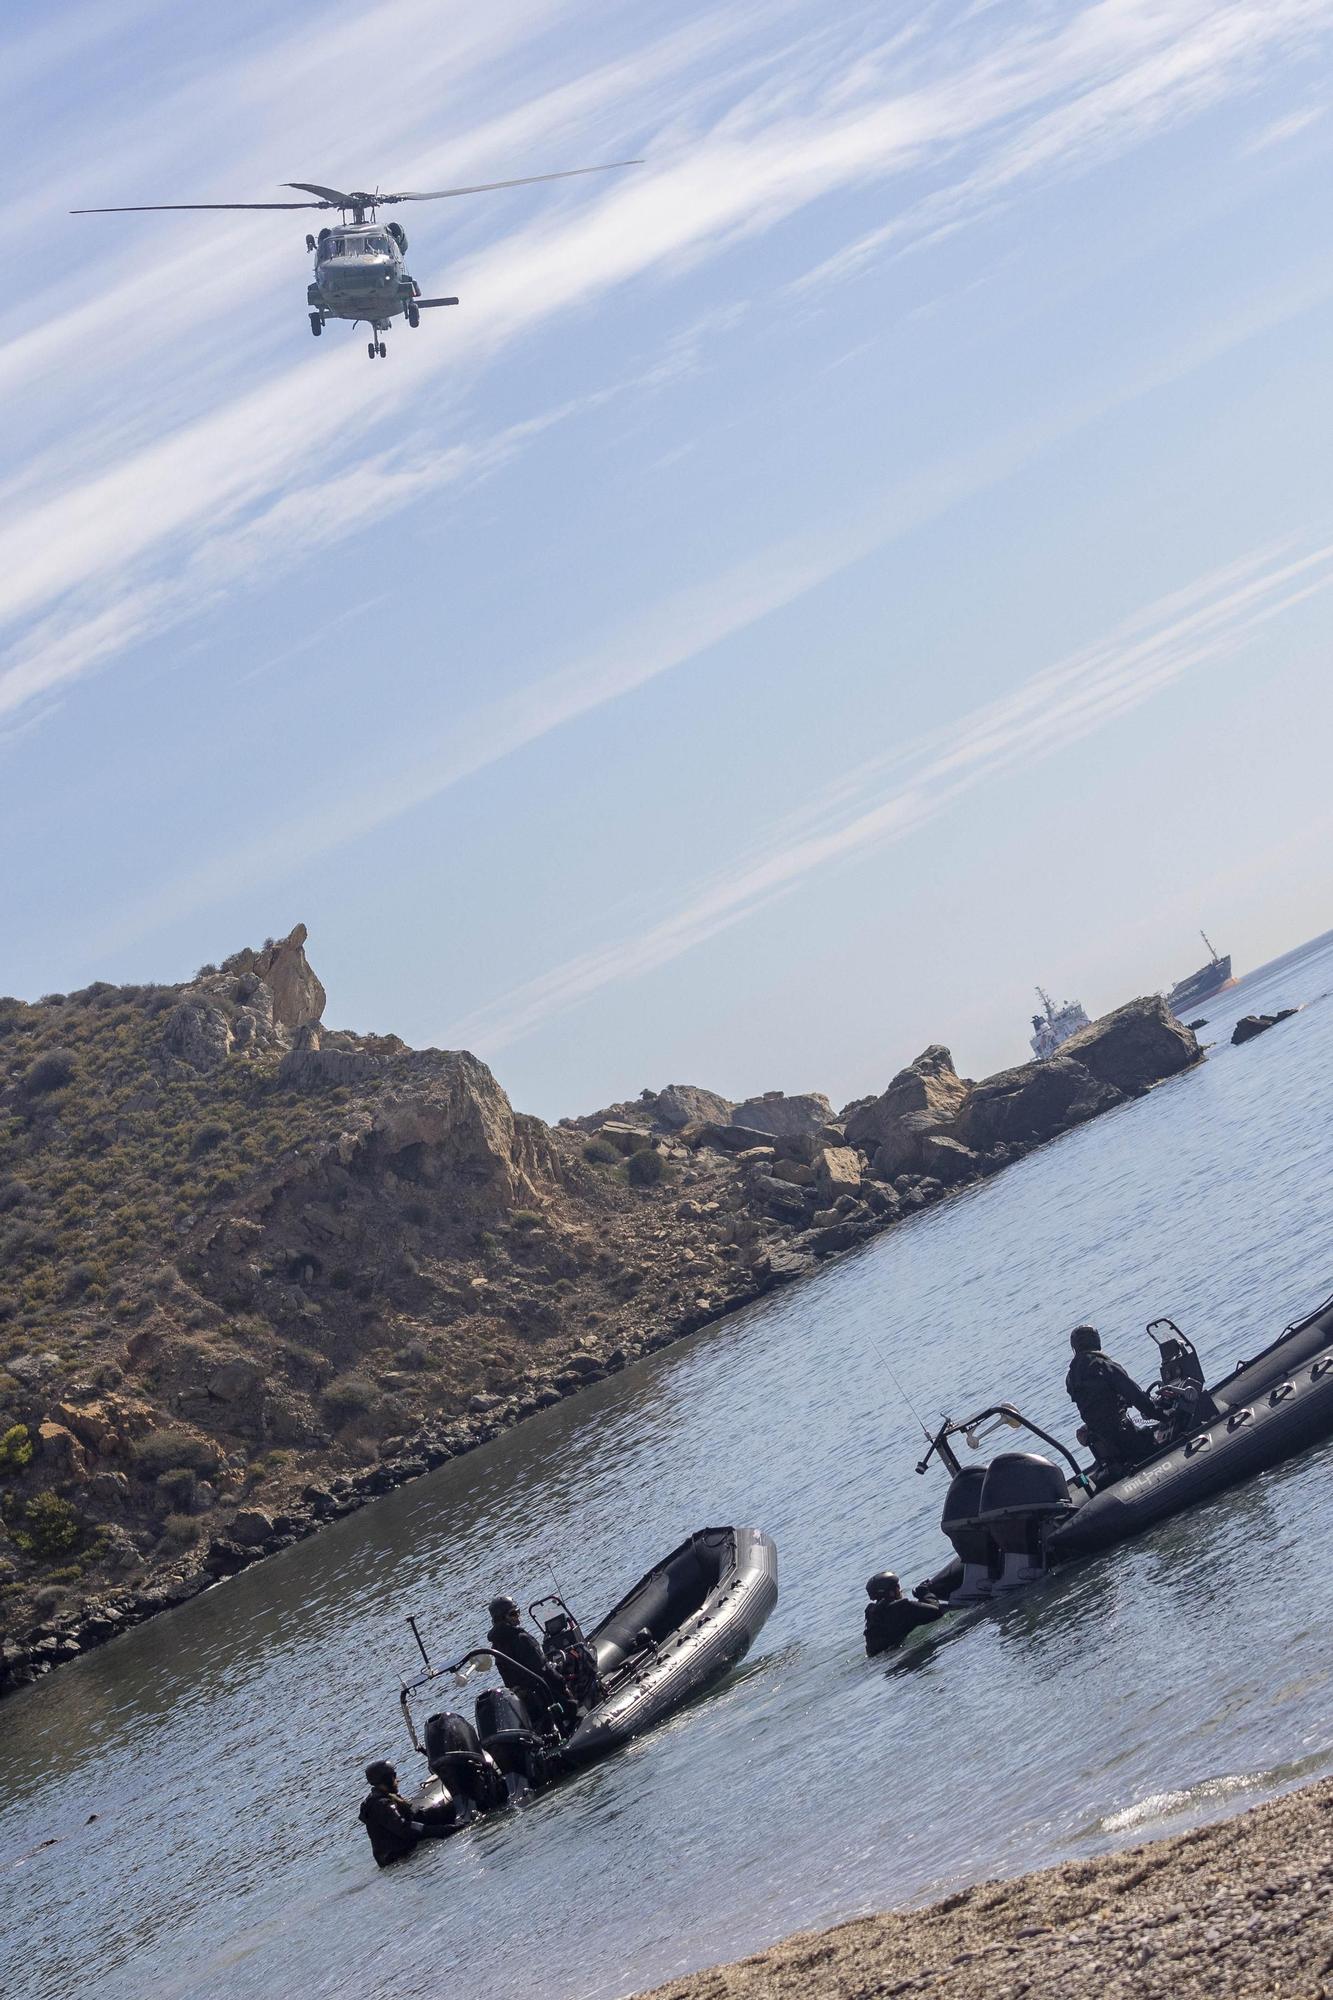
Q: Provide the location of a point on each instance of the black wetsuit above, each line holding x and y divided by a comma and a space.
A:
890, 1619
1103, 1393
534, 1686
388, 1820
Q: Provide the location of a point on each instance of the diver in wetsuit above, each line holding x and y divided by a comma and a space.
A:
890, 1616
393, 1825
1104, 1393
531, 1678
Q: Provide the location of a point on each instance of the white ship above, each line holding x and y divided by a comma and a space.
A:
1054, 1025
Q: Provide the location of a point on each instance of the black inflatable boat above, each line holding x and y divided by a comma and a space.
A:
1018, 1517
681, 1628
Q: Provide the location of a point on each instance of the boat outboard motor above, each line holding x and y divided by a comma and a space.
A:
975, 1546
1023, 1494
507, 1734
456, 1758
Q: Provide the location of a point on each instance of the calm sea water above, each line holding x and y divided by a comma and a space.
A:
220, 1747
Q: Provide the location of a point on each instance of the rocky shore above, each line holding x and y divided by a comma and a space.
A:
254, 1272
1231, 1911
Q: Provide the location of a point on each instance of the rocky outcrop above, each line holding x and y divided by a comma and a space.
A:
1250, 1025
1134, 1047
1032, 1103
682, 1104
922, 1099
781, 1117
298, 996
445, 1109
198, 1034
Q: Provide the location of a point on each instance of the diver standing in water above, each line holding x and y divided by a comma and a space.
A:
1104, 1393
890, 1616
392, 1824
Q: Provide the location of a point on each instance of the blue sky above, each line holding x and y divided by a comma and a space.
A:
870, 558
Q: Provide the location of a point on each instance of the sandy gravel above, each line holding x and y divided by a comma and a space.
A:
1241, 1907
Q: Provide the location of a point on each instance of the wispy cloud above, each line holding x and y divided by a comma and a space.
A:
671, 633
887, 799
108, 546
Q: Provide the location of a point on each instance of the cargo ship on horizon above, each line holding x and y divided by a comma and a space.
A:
1203, 984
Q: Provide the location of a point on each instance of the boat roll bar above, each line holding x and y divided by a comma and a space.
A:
480, 1657
966, 1427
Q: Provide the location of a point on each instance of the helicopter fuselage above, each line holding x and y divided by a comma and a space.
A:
359, 274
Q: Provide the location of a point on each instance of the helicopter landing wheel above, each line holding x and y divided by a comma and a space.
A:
372, 350
413, 316
316, 324
383, 351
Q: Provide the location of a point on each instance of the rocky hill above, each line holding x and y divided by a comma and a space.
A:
253, 1272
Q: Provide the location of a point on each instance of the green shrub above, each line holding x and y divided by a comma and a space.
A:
600, 1153
349, 1399
51, 1527
178, 1484
15, 1448
208, 1135
53, 1071
526, 1218
172, 1449
179, 1530
644, 1168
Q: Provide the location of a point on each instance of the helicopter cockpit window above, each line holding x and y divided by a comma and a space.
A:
375, 246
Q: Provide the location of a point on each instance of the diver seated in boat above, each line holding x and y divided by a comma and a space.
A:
394, 1825
522, 1663
1104, 1393
890, 1616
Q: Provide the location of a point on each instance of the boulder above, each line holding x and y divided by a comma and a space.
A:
787, 1203
198, 1034
794, 1171
1251, 1025
251, 1527
682, 1104
726, 1138
1033, 1102
838, 1171
61, 1450
1134, 1047
782, 1117
108, 1425
926, 1097
948, 1160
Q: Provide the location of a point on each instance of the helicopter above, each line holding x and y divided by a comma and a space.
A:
360, 273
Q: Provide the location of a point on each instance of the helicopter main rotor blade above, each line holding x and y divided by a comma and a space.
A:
153, 207
488, 187
332, 197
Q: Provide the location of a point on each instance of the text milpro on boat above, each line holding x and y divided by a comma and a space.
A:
681, 1628
1016, 1518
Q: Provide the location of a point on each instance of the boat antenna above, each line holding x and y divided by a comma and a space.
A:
421, 1646
899, 1387
1208, 941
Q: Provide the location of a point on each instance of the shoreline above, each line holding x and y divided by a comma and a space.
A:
524, 1313
1239, 1907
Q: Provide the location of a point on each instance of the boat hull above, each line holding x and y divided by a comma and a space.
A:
1271, 1407
1201, 985
692, 1655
